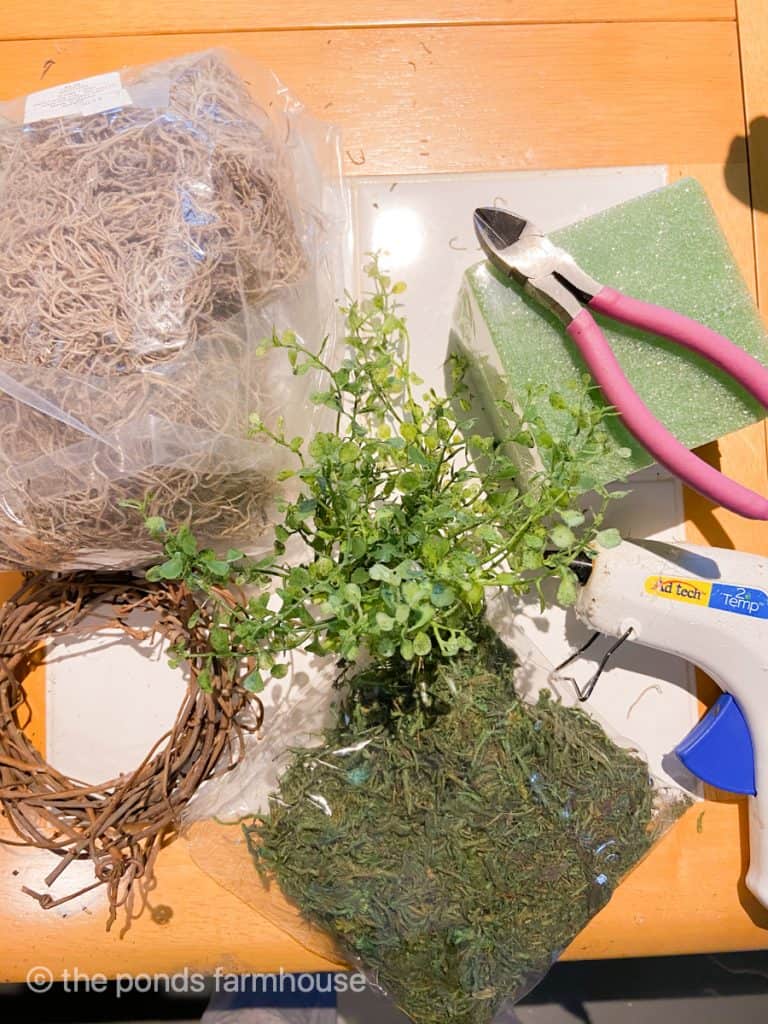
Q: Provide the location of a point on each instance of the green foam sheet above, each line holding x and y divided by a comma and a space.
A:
666, 248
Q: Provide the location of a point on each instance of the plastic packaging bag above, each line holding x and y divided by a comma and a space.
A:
241, 1008
155, 226
267, 1015
452, 862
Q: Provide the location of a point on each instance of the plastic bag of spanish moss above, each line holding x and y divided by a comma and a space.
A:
156, 224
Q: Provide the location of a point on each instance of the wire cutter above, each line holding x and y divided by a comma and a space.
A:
550, 275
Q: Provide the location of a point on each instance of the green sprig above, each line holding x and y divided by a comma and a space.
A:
407, 514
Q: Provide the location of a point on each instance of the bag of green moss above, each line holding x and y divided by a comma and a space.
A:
454, 858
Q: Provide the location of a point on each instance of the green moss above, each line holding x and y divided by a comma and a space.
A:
456, 857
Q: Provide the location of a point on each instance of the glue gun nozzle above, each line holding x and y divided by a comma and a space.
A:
581, 567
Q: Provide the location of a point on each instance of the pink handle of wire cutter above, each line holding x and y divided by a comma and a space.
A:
745, 369
640, 421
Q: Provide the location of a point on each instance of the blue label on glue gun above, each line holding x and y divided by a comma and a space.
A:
724, 597
741, 600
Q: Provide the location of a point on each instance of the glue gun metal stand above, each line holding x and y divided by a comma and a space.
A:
709, 606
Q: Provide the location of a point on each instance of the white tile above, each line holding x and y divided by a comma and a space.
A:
426, 224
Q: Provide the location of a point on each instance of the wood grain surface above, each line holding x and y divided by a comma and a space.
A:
483, 99
753, 39
447, 87
54, 19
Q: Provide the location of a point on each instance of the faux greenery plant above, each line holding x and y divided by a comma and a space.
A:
395, 534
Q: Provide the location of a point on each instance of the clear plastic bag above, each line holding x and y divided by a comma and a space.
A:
266, 1015
155, 226
239, 1008
454, 861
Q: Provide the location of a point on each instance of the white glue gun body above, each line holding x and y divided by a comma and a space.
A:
709, 606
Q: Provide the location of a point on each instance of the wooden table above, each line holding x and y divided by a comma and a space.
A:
486, 85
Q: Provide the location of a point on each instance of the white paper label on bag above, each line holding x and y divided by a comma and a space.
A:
86, 96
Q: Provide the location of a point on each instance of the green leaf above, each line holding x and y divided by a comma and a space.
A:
385, 647
568, 590
384, 552
406, 650
186, 541
534, 541
155, 525
381, 573
173, 569
299, 577
220, 642
408, 481
409, 569
557, 401
531, 559
205, 680
561, 536
254, 681
572, 517
442, 596
349, 452
402, 613
306, 508
434, 549
450, 647
610, 538
352, 593
424, 614
412, 592
385, 622
349, 649
422, 645
489, 533
279, 670
323, 567
355, 547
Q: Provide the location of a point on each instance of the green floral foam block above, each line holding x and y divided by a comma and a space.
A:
665, 247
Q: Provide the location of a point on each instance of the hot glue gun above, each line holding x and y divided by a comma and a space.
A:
709, 606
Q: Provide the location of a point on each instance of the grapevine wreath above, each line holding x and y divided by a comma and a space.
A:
122, 824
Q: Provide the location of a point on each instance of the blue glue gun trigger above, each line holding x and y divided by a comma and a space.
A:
719, 748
